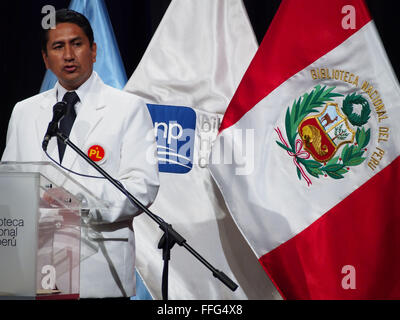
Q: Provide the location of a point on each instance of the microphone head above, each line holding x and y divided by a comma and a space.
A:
59, 110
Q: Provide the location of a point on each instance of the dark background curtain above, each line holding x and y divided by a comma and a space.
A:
134, 22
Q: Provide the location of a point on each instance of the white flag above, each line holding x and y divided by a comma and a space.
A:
188, 75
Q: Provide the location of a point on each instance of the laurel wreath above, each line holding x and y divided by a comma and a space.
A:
351, 155
354, 118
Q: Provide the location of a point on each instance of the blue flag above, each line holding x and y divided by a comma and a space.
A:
108, 65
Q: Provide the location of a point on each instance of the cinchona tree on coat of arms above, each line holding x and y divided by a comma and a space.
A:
333, 136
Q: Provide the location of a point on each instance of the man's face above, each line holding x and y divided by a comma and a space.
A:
69, 55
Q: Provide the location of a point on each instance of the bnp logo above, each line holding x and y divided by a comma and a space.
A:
174, 128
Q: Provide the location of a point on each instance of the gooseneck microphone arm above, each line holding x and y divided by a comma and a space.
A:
170, 236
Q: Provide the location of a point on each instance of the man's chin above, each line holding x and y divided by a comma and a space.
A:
72, 81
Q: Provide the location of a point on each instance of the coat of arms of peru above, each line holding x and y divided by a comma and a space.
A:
323, 137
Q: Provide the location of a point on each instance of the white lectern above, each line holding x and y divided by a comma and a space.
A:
42, 222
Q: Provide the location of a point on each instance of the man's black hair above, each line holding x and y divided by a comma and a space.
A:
69, 16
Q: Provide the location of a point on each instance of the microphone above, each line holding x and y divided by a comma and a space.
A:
59, 111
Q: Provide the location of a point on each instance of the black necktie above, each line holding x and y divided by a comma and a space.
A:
71, 98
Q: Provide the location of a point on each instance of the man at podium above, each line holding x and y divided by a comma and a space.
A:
113, 127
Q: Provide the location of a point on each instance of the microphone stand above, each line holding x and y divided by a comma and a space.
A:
170, 236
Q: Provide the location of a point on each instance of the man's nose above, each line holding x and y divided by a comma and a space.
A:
69, 53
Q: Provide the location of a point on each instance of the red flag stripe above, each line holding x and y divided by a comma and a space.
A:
360, 232
287, 48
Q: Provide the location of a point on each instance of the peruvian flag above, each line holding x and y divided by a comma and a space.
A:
307, 157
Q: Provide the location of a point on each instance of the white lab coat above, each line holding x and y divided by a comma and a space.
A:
121, 124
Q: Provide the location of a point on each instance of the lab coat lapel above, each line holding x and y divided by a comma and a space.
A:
42, 122
88, 118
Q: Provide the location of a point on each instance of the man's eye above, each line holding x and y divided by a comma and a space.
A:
77, 44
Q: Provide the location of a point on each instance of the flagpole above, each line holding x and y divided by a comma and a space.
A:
170, 236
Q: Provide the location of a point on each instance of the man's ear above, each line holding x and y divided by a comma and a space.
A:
45, 59
94, 51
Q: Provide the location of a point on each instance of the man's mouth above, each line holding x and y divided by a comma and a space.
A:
70, 69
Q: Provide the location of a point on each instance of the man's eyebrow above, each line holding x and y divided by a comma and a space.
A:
75, 39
